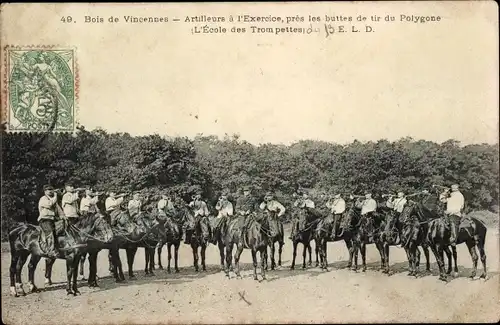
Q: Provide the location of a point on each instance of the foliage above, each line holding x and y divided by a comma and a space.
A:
179, 166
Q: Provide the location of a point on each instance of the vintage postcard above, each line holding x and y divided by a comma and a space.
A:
253, 163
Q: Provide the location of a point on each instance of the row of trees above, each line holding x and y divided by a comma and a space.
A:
181, 166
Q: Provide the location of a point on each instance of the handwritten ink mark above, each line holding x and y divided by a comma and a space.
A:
242, 297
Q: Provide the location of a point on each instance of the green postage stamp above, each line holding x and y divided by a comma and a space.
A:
42, 88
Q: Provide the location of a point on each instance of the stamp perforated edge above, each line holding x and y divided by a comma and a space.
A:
4, 118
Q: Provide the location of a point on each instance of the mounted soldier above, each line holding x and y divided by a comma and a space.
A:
112, 205
135, 205
368, 209
398, 203
272, 205
88, 203
302, 201
165, 207
47, 207
337, 208
455, 203
70, 203
200, 208
246, 203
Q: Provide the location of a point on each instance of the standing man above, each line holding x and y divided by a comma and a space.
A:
272, 205
200, 208
46, 219
337, 208
455, 203
70, 203
398, 203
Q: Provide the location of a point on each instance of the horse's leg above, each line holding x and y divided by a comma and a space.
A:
111, 260
254, 260
203, 251
324, 247
146, 260
385, 252
119, 266
14, 257
228, 258
19, 267
294, 254
159, 248
92, 281
482, 254
363, 256
440, 257
309, 251
449, 257
263, 251
473, 253
280, 251
350, 249
273, 261
195, 256
31, 272
169, 251
417, 258
221, 253
69, 274
425, 248
356, 245
82, 264
130, 261
304, 255
380, 250
74, 274
454, 253
49, 262
176, 256
316, 251
239, 250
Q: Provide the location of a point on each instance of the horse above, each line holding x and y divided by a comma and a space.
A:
344, 230
276, 235
305, 224
405, 230
471, 231
368, 231
172, 226
74, 240
199, 231
247, 232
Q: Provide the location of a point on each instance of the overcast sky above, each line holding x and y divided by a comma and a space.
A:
428, 81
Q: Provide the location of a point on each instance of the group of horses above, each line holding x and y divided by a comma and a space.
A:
419, 225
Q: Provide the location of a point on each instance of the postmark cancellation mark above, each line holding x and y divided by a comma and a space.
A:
41, 89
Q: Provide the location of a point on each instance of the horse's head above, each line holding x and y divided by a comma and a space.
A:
96, 226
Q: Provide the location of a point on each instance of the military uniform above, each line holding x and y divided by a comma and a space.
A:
337, 208
46, 220
455, 203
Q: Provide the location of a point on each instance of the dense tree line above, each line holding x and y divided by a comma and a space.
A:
181, 166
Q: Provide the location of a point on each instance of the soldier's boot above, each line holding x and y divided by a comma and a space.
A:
334, 230
51, 247
187, 239
292, 232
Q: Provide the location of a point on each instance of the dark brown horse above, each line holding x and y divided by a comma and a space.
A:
172, 226
74, 240
305, 225
367, 231
276, 235
472, 232
247, 232
344, 230
198, 229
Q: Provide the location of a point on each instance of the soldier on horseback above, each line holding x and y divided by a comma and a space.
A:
272, 205
368, 209
88, 203
47, 211
70, 203
200, 209
112, 205
398, 203
455, 203
165, 207
134, 206
337, 208
246, 203
302, 202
